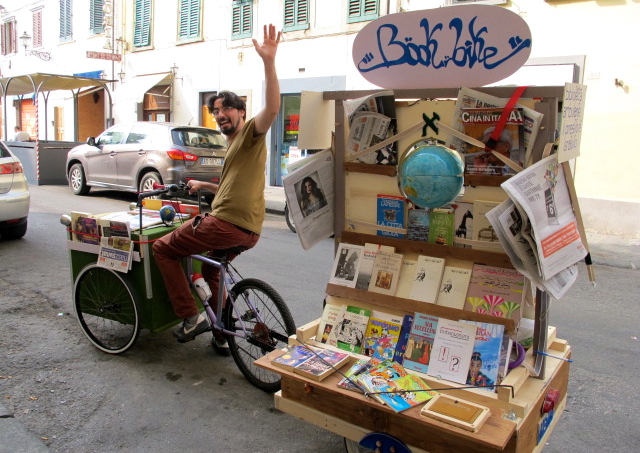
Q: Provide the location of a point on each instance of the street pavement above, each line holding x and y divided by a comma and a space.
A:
607, 250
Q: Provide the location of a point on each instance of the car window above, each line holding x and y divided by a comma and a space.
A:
112, 136
198, 138
139, 135
4, 152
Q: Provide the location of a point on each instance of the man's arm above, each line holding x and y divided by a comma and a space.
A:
267, 51
195, 186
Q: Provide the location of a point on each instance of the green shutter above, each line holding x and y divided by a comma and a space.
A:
65, 20
241, 25
142, 23
96, 16
296, 15
362, 10
189, 19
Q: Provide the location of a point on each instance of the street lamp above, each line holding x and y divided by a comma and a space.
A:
25, 40
174, 72
121, 74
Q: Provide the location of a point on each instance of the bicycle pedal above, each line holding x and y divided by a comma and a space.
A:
249, 315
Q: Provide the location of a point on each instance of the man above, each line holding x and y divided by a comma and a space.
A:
238, 210
21, 136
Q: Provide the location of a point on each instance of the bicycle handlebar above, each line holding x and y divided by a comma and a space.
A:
161, 189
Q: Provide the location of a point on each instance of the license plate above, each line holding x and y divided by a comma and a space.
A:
211, 161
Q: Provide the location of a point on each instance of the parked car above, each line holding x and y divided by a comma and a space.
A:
133, 156
14, 196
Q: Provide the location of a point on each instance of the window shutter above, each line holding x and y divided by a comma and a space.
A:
65, 20
96, 16
189, 26
37, 28
241, 26
296, 15
142, 23
362, 10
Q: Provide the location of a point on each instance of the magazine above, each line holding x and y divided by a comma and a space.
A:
115, 253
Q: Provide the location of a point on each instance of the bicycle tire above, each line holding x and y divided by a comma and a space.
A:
106, 308
289, 218
271, 333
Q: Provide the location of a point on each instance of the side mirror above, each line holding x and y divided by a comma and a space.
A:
91, 141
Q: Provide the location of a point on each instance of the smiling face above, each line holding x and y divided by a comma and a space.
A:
230, 120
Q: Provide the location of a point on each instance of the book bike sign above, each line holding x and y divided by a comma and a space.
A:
449, 47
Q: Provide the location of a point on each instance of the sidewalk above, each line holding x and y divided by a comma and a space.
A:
15, 438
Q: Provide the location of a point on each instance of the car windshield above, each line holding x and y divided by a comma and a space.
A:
198, 138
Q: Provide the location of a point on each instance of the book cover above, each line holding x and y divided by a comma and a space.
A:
293, 356
418, 225
495, 291
374, 385
453, 288
427, 278
452, 349
407, 272
347, 382
420, 342
85, 228
381, 336
463, 221
441, 227
379, 377
401, 346
483, 230
366, 263
321, 365
409, 391
390, 212
346, 264
484, 367
351, 328
480, 123
385, 273
329, 319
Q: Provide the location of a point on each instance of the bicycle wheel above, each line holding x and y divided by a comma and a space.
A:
258, 308
289, 218
107, 309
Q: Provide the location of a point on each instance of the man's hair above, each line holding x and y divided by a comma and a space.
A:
229, 99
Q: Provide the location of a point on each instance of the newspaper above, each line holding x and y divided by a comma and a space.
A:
115, 253
367, 130
309, 191
542, 193
468, 98
381, 102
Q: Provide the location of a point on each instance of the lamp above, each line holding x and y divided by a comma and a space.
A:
121, 74
25, 40
174, 72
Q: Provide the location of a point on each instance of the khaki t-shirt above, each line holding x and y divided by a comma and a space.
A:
240, 196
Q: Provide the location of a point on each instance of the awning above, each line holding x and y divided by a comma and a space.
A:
90, 74
39, 82
134, 89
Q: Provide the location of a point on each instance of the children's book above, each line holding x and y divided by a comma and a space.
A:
373, 385
381, 336
452, 349
453, 287
484, 369
329, 319
391, 213
366, 264
407, 272
427, 278
373, 379
346, 264
418, 224
495, 291
351, 329
401, 346
347, 382
325, 363
420, 342
385, 273
409, 391
441, 226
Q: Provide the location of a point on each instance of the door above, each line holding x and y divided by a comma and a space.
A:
287, 150
133, 153
101, 159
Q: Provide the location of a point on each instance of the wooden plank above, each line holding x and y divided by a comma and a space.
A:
373, 169
306, 332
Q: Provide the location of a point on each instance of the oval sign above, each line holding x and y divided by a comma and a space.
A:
449, 47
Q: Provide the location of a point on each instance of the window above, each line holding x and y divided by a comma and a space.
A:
112, 136
65, 21
142, 23
96, 16
36, 18
241, 17
361, 10
189, 20
482, 2
9, 37
296, 15
139, 135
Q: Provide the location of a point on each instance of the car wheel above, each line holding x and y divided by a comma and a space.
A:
77, 180
14, 231
148, 180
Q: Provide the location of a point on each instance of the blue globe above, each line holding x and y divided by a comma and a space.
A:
430, 175
167, 214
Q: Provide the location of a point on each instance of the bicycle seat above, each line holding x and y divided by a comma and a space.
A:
225, 253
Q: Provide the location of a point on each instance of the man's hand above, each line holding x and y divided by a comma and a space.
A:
194, 186
267, 50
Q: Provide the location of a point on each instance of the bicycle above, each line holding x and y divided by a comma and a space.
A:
254, 319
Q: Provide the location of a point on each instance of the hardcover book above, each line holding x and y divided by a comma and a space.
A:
381, 336
452, 349
401, 346
418, 225
453, 288
318, 367
366, 264
485, 359
390, 213
420, 342
385, 273
351, 329
346, 264
495, 291
329, 319
441, 227
427, 278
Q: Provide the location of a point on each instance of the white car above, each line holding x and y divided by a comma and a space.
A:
14, 196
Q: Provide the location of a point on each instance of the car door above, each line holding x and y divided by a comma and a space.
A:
101, 159
133, 154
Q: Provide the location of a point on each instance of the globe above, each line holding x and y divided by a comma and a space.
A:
430, 175
167, 214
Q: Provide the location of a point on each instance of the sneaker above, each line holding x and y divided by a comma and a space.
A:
187, 331
221, 347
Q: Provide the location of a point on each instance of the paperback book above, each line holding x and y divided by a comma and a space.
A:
391, 213
427, 278
385, 273
495, 291
351, 329
408, 391
454, 286
294, 356
483, 230
346, 265
322, 364
441, 226
485, 360
366, 264
452, 349
401, 346
463, 221
420, 342
407, 273
347, 381
381, 337
330, 317
418, 224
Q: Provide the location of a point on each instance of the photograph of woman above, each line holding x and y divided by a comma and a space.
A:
311, 197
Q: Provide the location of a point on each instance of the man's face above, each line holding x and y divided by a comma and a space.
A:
229, 119
502, 147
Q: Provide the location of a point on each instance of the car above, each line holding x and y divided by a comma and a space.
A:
135, 156
14, 196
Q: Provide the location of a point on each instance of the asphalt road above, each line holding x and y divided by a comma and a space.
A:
162, 396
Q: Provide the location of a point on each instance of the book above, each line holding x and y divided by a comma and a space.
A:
452, 349
329, 319
85, 228
453, 287
407, 272
441, 226
483, 230
351, 328
347, 382
463, 221
420, 342
401, 346
293, 356
480, 123
418, 224
390, 213
427, 278
495, 291
409, 391
322, 364
505, 357
378, 377
381, 336
346, 264
366, 263
385, 273
485, 359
